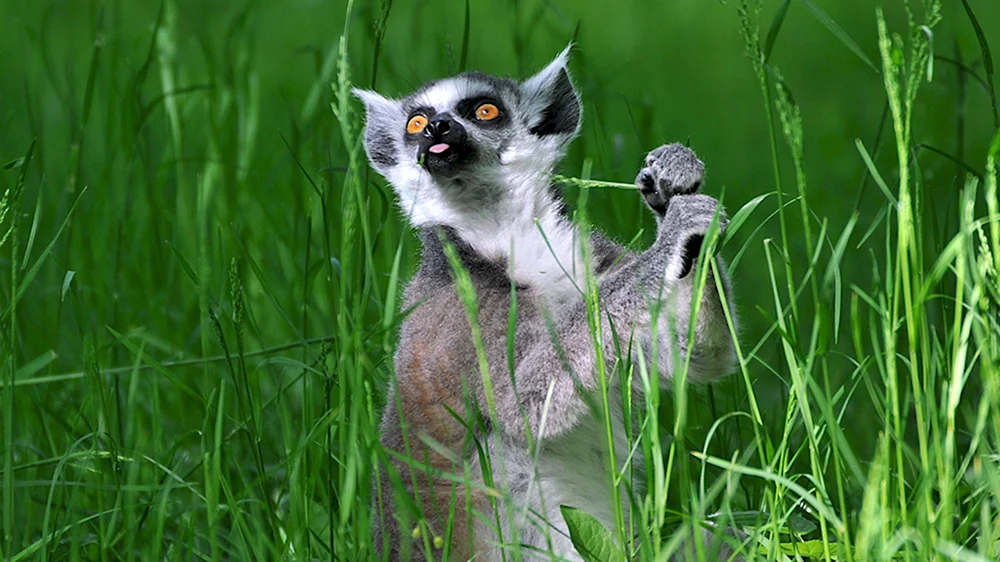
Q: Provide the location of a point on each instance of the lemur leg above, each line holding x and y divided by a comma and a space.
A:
553, 376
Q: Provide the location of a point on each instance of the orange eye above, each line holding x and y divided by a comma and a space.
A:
416, 124
487, 112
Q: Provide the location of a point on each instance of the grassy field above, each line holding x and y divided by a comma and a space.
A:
199, 275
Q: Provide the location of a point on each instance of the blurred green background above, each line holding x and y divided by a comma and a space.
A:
195, 135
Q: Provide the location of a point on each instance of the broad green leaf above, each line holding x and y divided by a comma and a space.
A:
592, 541
809, 549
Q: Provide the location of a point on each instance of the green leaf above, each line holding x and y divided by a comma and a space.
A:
592, 541
794, 523
35, 365
465, 40
67, 279
772, 32
808, 549
16, 163
833, 266
589, 183
184, 263
743, 214
987, 58
995, 146
33, 271
388, 318
875, 173
798, 524
839, 33
820, 509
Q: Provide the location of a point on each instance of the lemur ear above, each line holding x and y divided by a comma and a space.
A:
383, 124
551, 103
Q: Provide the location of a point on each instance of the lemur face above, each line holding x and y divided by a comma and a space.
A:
464, 139
456, 124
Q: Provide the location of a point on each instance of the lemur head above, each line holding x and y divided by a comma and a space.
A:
472, 142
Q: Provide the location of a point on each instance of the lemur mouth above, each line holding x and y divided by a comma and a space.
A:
445, 159
444, 147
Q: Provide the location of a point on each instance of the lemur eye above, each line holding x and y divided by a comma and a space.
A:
487, 112
416, 124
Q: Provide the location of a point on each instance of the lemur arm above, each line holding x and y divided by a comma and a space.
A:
553, 376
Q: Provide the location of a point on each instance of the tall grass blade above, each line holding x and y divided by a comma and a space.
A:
984, 47
839, 33
772, 32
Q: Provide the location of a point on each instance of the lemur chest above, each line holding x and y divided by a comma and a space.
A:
545, 255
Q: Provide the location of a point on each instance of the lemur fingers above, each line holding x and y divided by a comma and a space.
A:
672, 169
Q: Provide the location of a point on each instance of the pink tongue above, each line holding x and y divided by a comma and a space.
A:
438, 148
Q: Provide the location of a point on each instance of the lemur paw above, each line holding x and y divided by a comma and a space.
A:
672, 169
685, 225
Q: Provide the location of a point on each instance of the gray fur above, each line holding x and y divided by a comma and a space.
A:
437, 413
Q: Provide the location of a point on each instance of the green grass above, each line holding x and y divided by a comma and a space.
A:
200, 278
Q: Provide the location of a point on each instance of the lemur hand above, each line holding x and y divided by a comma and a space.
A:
669, 183
672, 169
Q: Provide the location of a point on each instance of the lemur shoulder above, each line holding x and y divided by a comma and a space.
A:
470, 158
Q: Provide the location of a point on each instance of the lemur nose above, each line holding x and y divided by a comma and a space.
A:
439, 126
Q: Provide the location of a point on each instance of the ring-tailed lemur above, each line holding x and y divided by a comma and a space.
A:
471, 159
